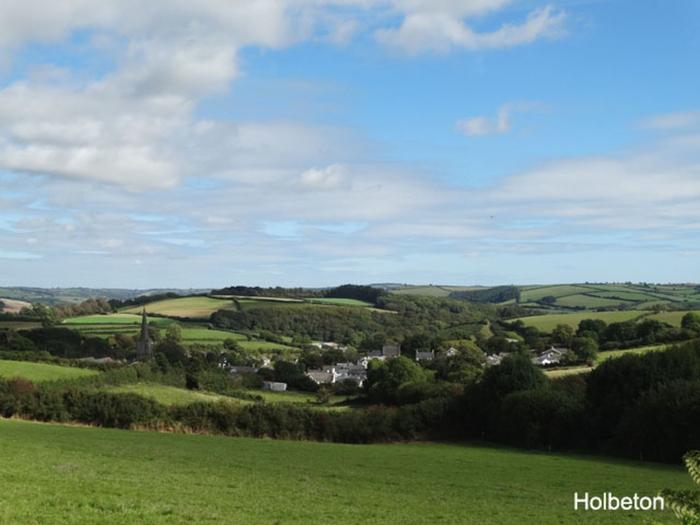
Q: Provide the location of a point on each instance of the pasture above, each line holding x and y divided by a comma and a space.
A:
79, 475
547, 322
167, 395
672, 318
198, 307
41, 372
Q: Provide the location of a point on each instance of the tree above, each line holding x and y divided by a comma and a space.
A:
385, 378
686, 503
516, 372
592, 326
173, 333
691, 321
563, 334
585, 348
323, 395
173, 352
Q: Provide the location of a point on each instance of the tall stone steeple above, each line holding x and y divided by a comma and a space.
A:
144, 346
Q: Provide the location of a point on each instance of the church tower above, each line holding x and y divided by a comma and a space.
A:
144, 345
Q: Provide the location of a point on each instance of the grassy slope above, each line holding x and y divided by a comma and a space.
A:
60, 475
193, 307
41, 372
673, 318
338, 301
547, 323
167, 395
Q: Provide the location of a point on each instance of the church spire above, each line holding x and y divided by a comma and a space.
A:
144, 345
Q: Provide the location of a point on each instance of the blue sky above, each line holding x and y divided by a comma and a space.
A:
316, 142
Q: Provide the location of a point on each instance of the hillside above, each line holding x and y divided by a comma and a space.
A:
91, 475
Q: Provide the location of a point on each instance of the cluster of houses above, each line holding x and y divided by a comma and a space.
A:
550, 357
355, 372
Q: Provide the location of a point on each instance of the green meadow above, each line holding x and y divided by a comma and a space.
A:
548, 322
167, 395
41, 372
79, 475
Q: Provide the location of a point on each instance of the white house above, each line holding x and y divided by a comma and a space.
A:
425, 356
274, 386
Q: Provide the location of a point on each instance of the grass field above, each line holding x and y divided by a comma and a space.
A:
588, 301
672, 318
200, 307
72, 475
113, 319
167, 395
41, 372
548, 322
339, 301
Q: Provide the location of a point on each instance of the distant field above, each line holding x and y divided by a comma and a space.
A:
94, 475
430, 291
587, 301
41, 372
339, 301
672, 318
13, 306
537, 293
192, 307
603, 356
548, 322
112, 319
167, 395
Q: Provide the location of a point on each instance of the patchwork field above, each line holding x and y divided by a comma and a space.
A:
41, 372
548, 322
72, 475
200, 307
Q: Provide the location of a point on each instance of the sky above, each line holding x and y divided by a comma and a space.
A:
205, 143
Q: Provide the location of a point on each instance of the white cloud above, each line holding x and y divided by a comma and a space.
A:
439, 29
674, 121
479, 126
330, 177
500, 124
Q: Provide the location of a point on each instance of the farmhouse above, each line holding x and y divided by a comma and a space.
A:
274, 386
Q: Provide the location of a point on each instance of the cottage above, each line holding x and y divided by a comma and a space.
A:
274, 386
425, 356
236, 370
451, 351
389, 351
322, 377
553, 356
495, 359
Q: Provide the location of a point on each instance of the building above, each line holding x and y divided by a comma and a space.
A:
553, 356
237, 369
274, 386
144, 346
495, 359
390, 351
425, 356
451, 352
322, 377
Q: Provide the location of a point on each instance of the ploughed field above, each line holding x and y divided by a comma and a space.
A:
74, 475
